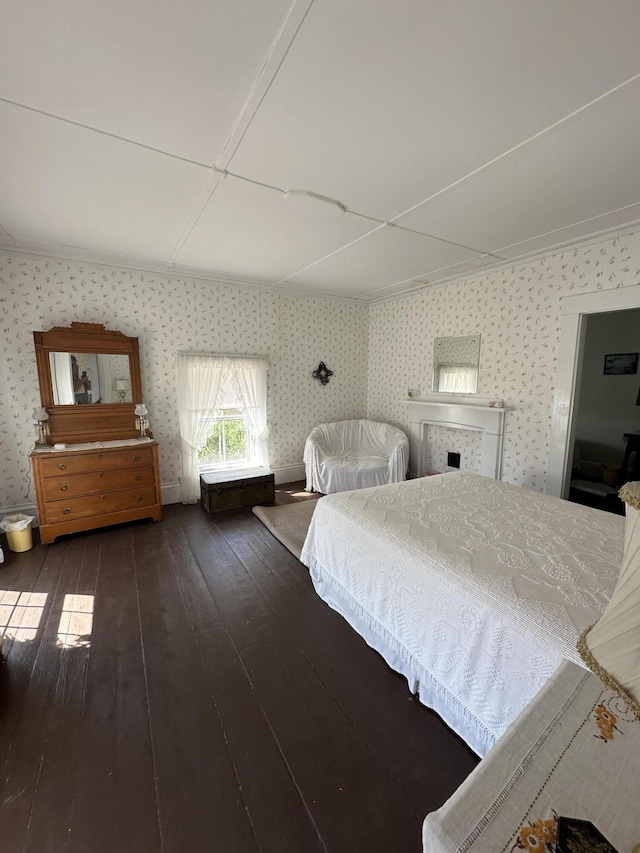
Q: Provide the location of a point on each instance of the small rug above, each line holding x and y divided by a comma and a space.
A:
288, 523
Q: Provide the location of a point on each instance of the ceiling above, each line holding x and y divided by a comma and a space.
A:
457, 134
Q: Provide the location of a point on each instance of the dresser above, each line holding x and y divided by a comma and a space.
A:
95, 484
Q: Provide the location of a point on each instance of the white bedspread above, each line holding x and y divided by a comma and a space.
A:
473, 589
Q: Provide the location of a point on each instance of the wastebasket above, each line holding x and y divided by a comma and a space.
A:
18, 530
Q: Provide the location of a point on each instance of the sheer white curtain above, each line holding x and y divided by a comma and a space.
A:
199, 381
61, 377
458, 378
251, 377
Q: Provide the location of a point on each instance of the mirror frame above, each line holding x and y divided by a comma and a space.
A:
98, 422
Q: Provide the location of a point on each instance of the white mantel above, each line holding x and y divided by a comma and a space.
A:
467, 413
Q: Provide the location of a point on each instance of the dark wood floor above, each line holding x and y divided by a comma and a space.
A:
217, 705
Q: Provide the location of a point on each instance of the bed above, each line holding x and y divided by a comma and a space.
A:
473, 589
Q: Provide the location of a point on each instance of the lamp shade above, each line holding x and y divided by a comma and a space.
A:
611, 647
40, 414
141, 410
122, 384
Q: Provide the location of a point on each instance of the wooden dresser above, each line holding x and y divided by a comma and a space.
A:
93, 485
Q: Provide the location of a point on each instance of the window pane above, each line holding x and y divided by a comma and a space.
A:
235, 440
211, 453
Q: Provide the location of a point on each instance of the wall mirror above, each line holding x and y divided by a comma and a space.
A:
455, 364
89, 382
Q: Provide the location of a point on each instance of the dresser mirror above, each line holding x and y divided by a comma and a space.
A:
455, 364
87, 378
89, 382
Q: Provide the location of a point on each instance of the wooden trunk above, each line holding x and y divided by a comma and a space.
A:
221, 490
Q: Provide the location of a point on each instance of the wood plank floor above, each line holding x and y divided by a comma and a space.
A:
215, 704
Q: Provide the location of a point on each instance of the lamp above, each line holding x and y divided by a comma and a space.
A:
41, 416
611, 647
142, 421
122, 386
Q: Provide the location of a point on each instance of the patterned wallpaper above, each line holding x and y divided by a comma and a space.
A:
169, 314
516, 310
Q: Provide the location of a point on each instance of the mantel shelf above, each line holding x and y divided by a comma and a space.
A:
453, 402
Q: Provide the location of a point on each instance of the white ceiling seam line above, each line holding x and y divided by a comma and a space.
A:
227, 174
265, 78
331, 254
513, 149
571, 225
439, 239
382, 225
199, 208
109, 134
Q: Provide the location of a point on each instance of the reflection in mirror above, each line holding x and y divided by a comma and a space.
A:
83, 377
455, 364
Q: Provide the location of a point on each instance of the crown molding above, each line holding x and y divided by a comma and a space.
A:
503, 263
54, 251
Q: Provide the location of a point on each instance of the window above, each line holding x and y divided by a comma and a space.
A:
457, 378
230, 437
223, 415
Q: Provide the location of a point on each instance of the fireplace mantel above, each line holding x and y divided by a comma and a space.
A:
473, 414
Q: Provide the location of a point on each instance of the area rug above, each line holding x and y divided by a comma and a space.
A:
288, 523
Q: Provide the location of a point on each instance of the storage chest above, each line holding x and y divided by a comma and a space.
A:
233, 489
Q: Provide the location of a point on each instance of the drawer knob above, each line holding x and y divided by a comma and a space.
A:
138, 476
100, 455
62, 466
64, 488
102, 475
66, 511
136, 458
139, 498
104, 497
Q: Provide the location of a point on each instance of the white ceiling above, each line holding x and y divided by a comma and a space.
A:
457, 133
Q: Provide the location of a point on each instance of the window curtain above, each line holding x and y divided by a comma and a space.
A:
458, 378
250, 374
60, 363
199, 382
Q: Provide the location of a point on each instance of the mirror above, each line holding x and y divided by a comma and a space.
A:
89, 382
88, 378
455, 364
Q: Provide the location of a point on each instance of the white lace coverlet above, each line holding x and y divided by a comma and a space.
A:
473, 589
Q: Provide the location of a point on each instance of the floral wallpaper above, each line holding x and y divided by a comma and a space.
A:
516, 310
377, 352
168, 314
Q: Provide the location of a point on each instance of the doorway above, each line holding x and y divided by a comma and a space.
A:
605, 410
575, 312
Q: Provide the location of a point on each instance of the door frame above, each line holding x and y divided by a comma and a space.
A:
573, 310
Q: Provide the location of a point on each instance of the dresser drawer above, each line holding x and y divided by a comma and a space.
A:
79, 463
68, 510
73, 485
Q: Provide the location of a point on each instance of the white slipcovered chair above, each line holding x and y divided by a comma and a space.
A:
354, 455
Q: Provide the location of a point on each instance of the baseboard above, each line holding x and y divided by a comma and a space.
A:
170, 491
289, 474
286, 474
27, 509
170, 495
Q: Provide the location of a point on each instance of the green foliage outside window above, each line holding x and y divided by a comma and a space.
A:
227, 442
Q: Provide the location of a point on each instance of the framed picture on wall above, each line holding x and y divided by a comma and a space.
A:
620, 363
